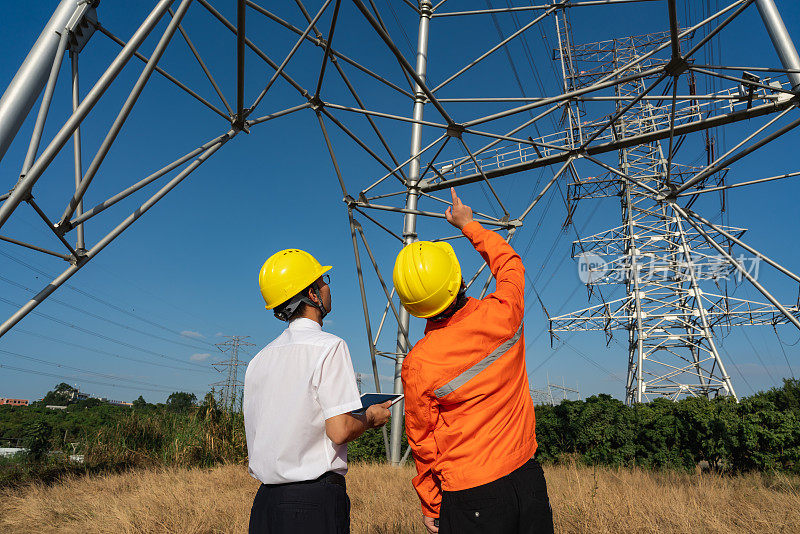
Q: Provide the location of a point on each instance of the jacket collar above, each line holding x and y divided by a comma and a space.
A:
458, 316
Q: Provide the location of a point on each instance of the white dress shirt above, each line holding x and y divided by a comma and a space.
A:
296, 382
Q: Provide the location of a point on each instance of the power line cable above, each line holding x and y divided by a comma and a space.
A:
758, 355
738, 370
97, 334
100, 300
783, 350
103, 352
126, 281
592, 361
529, 57
81, 379
511, 62
558, 269
64, 366
540, 223
400, 25
100, 317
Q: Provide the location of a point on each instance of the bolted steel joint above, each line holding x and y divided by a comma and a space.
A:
455, 130
241, 125
677, 66
316, 103
62, 228
79, 258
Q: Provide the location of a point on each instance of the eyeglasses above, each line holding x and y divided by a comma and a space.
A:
326, 278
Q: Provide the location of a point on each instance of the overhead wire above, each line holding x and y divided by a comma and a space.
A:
551, 251
20, 330
515, 72
758, 355
78, 369
400, 26
566, 339
100, 317
783, 350
156, 296
99, 335
104, 301
82, 379
738, 370
714, 54
548, 257
538, 80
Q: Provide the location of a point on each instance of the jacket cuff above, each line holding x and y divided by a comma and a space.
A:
470, 229
427, 512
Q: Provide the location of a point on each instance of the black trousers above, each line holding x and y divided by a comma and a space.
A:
318, 506
514, 504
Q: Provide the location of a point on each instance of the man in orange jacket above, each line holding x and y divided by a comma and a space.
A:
469, 414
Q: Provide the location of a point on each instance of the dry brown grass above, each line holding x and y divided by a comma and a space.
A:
636, 501
584, 500
165, 500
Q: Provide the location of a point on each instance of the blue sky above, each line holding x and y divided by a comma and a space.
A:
185, 274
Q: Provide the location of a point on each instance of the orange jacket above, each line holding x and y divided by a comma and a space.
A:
469, 412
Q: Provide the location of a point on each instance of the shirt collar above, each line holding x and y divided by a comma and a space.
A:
304, 323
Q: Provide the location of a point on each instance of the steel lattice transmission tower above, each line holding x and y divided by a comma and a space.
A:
546, 395
230, 387
658, 254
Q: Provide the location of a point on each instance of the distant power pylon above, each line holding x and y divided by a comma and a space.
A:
562, 391
229, 387
554, 393
541, 396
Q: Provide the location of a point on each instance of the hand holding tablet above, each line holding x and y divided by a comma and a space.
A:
368, 399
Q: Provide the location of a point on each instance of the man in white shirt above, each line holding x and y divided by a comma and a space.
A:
298, 395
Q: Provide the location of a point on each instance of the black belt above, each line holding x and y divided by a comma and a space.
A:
330, 478
333, 478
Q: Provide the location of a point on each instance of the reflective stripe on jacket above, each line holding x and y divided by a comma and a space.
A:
469, 412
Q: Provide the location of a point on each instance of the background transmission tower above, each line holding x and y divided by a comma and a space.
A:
541, 396
658, 253
229, 388
563, 391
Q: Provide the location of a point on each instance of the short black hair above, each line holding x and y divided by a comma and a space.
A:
299, 310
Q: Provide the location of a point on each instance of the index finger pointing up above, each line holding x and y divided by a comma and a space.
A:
456, 200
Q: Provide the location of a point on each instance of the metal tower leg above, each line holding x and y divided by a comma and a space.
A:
781, 39
23, 188
30, 79
410, 221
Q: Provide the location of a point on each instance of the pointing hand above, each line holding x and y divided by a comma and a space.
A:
459, 215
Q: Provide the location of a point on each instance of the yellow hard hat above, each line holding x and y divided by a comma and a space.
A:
427, 277
287, 273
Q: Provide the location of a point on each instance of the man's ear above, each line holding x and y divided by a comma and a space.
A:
312, 295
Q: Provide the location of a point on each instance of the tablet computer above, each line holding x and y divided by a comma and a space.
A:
368, 399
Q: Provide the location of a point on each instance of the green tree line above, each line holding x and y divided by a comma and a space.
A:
762, 432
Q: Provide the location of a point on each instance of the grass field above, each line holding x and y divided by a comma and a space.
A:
584, 500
